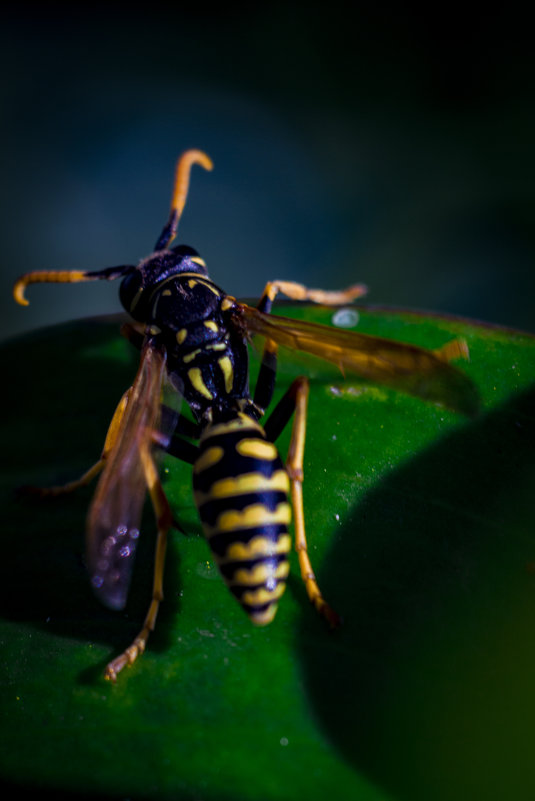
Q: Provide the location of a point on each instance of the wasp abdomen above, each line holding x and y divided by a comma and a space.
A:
241, 490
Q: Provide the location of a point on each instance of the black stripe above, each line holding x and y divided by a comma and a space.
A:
210, 511
238, 590
232, 465
253, 609
228, 569
219, 543
229, 439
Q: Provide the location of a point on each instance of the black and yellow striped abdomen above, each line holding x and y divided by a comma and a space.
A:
241, 491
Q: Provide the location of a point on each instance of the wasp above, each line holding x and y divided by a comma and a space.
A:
194, 337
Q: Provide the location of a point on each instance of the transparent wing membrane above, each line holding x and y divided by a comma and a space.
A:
115, 513
424, 373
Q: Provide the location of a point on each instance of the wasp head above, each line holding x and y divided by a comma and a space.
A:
138, 286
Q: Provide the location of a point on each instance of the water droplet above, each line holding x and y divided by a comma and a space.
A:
345, 318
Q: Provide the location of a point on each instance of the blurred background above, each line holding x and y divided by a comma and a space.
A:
366, 142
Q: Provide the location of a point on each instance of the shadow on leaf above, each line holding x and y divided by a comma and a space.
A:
428, 688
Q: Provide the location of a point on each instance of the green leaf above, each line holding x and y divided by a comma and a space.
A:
420, 525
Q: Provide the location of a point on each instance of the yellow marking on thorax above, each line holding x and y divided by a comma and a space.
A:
208, 458
252, 516
198, 260
211, 325
245, 484
228, 373
190, 356
195, 376
257, 448
217, 346
228, 303
258, 546
192, 282
181, 335
167, 292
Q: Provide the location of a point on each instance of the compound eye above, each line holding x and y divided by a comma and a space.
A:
130, 293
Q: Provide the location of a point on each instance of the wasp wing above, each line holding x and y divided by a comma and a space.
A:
409, 368
115, 513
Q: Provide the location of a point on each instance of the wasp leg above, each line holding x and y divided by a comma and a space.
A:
294, 402
188, 428
300, 292
164, 520
182, 449
89, 475
265, 383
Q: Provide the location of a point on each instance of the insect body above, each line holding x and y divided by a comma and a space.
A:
194, 336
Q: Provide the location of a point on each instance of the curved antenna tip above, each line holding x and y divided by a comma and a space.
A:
18, 291
195, 156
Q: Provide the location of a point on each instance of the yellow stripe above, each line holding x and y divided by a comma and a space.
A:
246, 483
259, 574
210, 287
228, 373
180, 276
195, 376
211, 325
181, 335
198, 260
262, 596
135, 299
257, 448
252, 516
258, 546
243, 421
264, 617
207, 459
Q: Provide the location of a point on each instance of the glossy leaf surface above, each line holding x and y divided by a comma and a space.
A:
422, 532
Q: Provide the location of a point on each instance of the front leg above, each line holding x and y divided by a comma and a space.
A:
297, 291
265, 384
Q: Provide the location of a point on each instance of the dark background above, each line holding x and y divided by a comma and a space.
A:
352, 142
